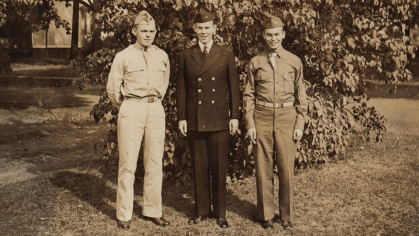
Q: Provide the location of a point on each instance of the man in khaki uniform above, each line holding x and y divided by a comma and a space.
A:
140, 74
274, 106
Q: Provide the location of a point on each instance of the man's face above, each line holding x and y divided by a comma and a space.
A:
205, 31
145, 33
273, 37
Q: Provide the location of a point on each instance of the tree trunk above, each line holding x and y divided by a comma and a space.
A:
96, 43
75, 31
46, 43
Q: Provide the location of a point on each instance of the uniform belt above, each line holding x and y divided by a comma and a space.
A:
275, 105
146, 99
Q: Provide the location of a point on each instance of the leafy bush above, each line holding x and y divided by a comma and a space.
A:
343, 46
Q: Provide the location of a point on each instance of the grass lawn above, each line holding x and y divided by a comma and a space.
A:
59, 186
52, 182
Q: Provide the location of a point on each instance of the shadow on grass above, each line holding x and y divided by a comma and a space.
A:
404, 90
88, 188
239, 206
96, 192
181, 199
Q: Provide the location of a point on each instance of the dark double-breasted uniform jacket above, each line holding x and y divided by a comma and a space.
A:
208, 93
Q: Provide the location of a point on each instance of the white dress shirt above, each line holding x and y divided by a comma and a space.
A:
209, 45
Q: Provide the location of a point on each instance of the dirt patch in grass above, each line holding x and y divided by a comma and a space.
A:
36, 105
52, 67
44, 71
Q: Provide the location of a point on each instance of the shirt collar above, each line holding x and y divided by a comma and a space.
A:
140, 47
278, 52
209, 45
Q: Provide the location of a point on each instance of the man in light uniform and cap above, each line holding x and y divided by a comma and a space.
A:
139, 78
275, 104
208, 103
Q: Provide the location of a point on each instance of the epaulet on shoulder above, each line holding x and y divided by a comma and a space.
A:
258, 56
290, 54
157, 48
125, 50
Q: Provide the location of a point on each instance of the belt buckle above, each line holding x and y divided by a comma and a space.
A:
278, 105
151, 99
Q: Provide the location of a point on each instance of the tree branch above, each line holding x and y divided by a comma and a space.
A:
109, 23
90, 7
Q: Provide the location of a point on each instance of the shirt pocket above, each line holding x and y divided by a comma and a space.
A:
135, 75
135, 68
158, 70
262, 81
289, 82
261, 75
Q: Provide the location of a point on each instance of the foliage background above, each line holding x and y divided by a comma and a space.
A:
344, 45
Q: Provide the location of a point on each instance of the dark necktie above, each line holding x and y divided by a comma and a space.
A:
205, 51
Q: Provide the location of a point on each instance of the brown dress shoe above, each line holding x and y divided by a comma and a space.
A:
160, 221
222, 222
287, 225
125, 225
267, 224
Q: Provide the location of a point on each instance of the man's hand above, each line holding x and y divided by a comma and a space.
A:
183, 127
298, 134
251, 132
234, 125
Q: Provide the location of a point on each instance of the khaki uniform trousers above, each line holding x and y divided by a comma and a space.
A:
274, 136
138, 119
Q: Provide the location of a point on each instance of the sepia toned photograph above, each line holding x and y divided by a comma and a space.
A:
209, 117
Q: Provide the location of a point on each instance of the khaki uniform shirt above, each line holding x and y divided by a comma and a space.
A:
283, 83
132, 76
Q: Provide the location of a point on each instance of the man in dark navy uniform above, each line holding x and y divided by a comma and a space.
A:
208, 103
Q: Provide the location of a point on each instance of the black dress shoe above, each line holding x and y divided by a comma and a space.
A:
125, 225
278, 220
197, 220
222, 222
267, 224
285, 225
158, 221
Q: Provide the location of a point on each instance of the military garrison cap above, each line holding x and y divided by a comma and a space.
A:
204, 16
144, 18
273, 22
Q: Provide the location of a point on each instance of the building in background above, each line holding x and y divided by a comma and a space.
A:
20, 41
56, 42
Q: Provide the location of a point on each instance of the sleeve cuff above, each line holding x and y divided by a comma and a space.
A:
250, 123
299, 124
235, 115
